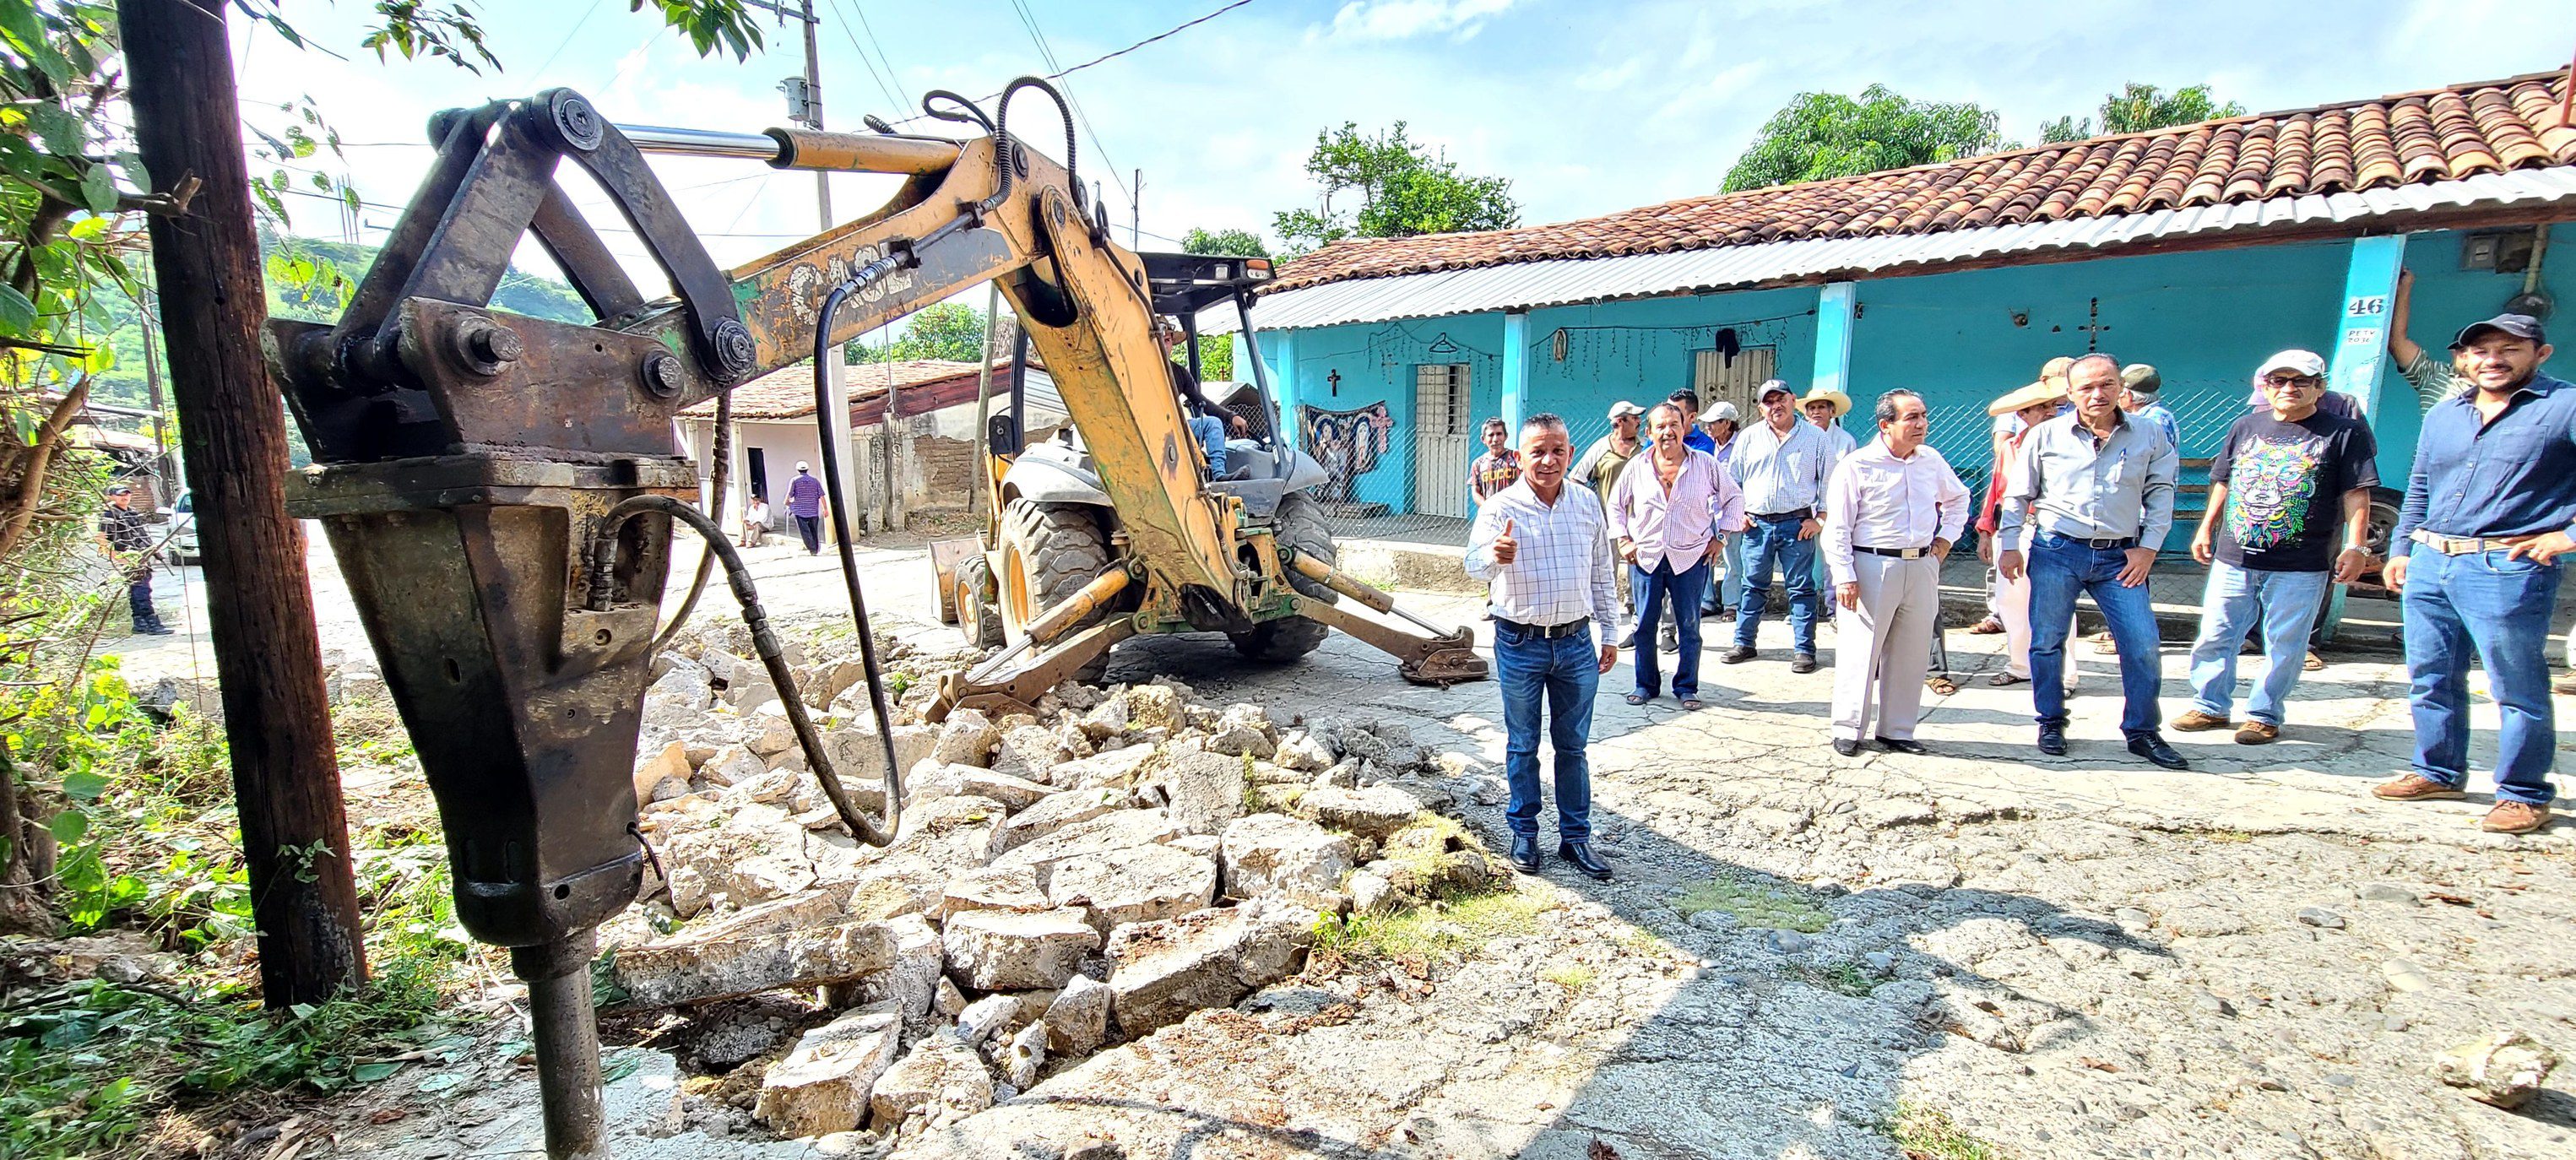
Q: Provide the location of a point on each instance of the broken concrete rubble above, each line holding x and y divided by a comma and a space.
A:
1163, 971
1030, 751
699, 970
1078, 1021
940, 1081
1372, 813
1058, 810
993, 950
823, 1085
966, 738
1137, 884
932, 780
1200, 791
1270, 854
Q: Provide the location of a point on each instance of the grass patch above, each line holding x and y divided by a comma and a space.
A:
1755, 906
1841, 978
1574, 977
1928, 1134
1449, 927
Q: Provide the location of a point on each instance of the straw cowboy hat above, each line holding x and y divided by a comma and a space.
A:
1841, 401
2044, 391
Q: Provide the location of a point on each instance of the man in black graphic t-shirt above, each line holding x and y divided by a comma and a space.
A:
2289, 499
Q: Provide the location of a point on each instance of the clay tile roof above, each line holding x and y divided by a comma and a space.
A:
2405, 139
788, 393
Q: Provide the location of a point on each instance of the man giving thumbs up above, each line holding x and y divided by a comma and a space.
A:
1543, 550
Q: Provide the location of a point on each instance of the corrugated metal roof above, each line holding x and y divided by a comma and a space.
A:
1563, 282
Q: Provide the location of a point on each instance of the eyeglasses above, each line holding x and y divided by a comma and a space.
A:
2286, 382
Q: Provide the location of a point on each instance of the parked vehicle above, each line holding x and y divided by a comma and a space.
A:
181, 544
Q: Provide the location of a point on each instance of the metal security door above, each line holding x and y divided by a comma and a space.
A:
1441, 440
1718, 380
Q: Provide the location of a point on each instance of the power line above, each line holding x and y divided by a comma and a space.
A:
1047, 53
882, 79
890, 84
1168, 32
567, 40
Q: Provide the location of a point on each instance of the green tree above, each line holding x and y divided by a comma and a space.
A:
945, 330
71, 243
2138, 108
1825, 135
1236, 243
1404, 190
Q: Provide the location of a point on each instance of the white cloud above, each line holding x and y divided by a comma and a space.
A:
1405, 19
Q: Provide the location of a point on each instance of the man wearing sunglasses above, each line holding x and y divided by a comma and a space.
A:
2289, 485
2488, 511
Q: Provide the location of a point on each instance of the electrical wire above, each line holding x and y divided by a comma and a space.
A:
1106, 56
887, 82
1046, 52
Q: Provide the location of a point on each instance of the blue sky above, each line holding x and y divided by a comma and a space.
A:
1588, 107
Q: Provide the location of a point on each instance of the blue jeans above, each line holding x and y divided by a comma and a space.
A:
2498, 609
138, 599
2283, 605
1769, 540
1723, 593
1565, 671
2061, 569
1210, 432
1683, 588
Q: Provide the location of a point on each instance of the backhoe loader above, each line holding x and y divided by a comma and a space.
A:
501, 491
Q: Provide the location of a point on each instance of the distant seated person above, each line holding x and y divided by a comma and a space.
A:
755, 520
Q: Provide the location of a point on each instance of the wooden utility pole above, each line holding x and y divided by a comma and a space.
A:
232, 424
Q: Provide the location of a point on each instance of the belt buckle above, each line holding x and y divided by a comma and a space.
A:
1909, 553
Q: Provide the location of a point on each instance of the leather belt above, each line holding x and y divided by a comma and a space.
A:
2464, 545
1548, 631
1899, 553
2114, 542
1804, 513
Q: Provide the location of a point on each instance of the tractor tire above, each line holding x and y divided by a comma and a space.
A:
1300, 525
979, 615
1049, 552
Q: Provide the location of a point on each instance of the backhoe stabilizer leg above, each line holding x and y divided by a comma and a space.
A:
1442, 660
1021, 689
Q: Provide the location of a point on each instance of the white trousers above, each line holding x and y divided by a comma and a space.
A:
1885, 647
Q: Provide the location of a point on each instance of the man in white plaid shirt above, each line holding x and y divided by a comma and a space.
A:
1543, 550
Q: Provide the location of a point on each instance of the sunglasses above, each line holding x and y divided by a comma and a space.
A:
2284, 382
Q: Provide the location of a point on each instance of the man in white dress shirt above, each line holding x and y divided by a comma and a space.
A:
1892, 510
1543, 550
1780, 463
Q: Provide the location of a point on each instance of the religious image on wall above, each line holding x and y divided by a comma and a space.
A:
1349, 444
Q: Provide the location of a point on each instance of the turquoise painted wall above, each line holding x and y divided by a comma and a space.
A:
2204, 319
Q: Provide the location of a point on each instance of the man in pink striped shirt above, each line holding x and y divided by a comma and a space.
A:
1665, 513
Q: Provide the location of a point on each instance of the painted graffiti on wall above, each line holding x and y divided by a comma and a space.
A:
1349, 444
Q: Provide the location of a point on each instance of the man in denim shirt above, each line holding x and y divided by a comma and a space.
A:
2488, 509
2089, 499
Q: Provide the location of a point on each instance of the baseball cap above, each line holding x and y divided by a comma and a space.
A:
2304, 362
2141, 380
1720, 412
1772, 387
800, 466
1624, 407
2517, 325
120, 489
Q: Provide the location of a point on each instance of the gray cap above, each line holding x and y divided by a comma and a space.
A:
1720, 412
2517, 325
1771, 387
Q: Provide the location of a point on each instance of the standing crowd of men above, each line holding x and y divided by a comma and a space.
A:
1624, 545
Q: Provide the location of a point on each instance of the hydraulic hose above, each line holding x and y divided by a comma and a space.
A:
716, 480
603, 570
1003, 148
831, 457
